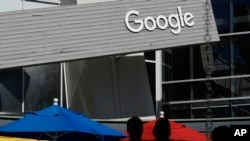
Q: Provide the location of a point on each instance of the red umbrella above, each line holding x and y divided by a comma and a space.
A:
179, 132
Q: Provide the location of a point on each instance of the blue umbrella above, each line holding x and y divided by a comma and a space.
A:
59, 123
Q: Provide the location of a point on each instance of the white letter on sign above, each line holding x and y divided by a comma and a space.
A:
243, 131
188, 19
151, 19
239, 132
133, 12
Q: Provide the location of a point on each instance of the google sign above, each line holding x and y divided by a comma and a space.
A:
174, 21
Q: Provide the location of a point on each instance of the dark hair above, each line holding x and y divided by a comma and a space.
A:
162, 129
221, 133
135, 127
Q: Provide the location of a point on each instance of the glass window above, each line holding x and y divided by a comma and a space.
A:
151, 76
149, 55
109, 87
241, 14
241, 54
222, 17
180, 65
177, 111
234, 17
41, 85
221, 55
177, 91
179, 94
232, 51
11, 91
188, 66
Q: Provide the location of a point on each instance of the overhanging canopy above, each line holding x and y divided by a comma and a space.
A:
56, 34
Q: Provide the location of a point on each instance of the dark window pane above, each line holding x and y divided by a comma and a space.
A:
151, 76
149, 55
222, 88
241, 11
180, 65
11, 91
108, 87
198, 71
42, 84
221, 53
179, 111
222, 15
177, 92
232, 51
241, 54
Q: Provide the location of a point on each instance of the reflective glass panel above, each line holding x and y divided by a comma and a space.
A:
11, 91
41, 85
180, 96
231, 56
241, 15
221, 10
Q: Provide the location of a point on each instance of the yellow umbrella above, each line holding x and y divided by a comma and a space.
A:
4, 138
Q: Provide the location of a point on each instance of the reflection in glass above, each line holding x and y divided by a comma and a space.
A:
241, 15
11, 91
221, 10
222, 88
109, 87
231, 56
221, 52
235, 21
41, 85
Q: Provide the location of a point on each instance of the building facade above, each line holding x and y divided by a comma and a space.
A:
110, 85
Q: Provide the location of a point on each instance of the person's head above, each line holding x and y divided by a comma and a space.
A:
134, 128
161, 129
221, 133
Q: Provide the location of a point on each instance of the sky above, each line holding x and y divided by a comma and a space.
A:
12, 5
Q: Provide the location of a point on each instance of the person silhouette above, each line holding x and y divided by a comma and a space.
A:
135, 128
221, 133
161, 129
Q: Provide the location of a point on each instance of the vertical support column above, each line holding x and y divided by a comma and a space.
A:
23, 92
61, 84
158, 82
66, 85
63, 65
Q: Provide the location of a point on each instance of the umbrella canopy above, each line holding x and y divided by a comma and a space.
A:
58, 123
179, 132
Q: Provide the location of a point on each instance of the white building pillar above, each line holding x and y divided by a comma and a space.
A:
158, 82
